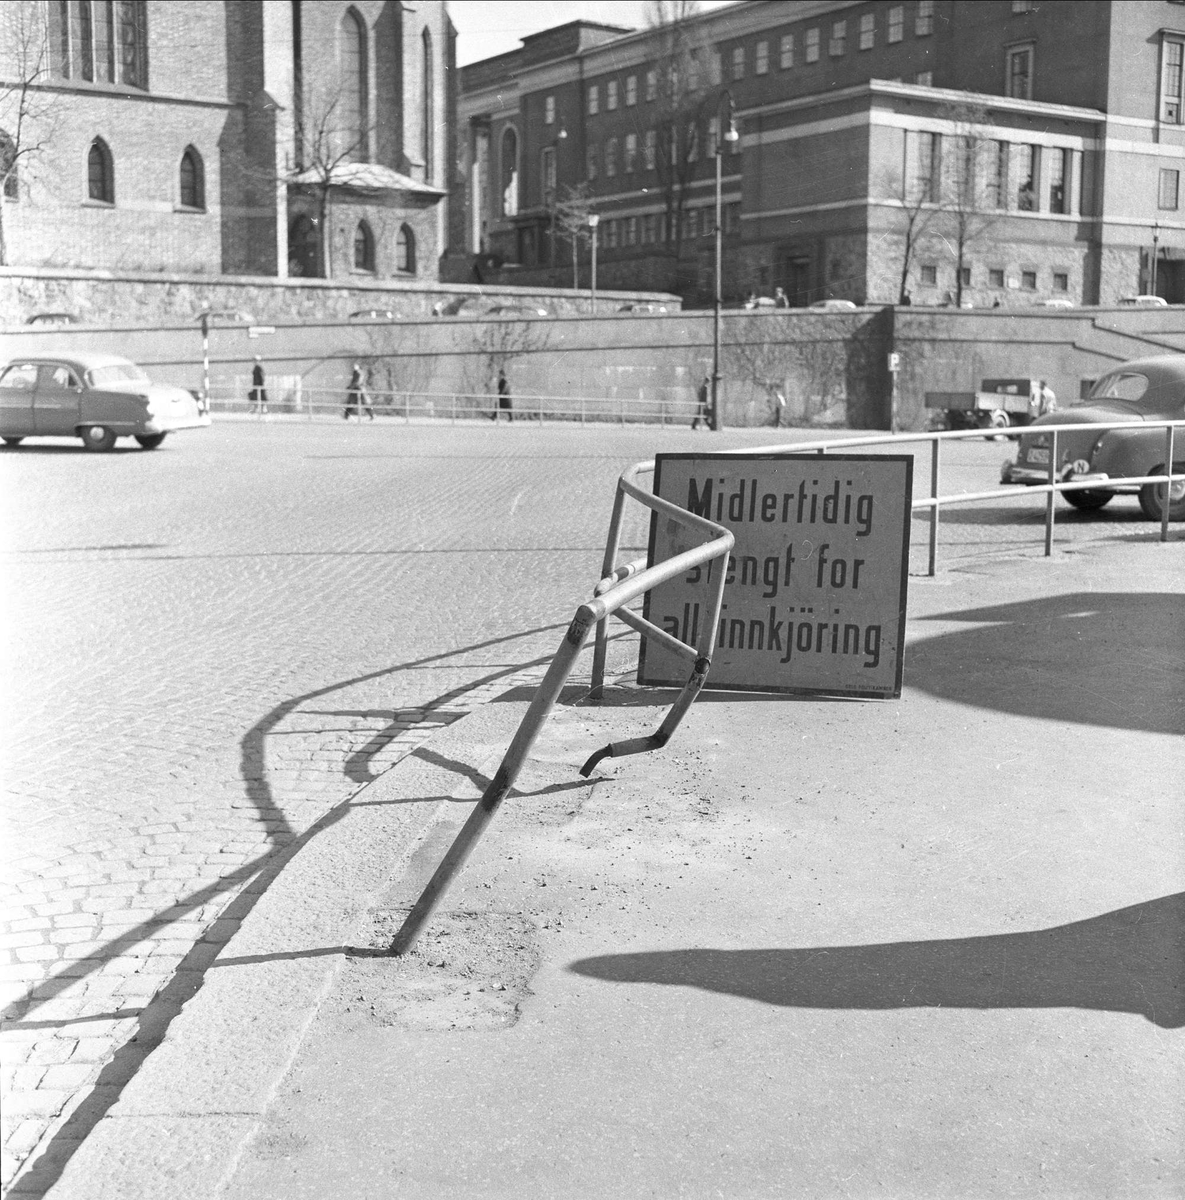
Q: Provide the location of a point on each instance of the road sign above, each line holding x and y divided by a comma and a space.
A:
815, 593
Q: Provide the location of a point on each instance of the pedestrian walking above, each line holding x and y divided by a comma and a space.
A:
703, 412
779, 409
780, 298
257, 398
1042, 400
504, 402
357, 397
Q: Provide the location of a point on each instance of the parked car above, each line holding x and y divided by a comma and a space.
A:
1144, 302
1055, 302
95, 397
516, 311
834, 306
643, 307
1145, 389
54, 319
374, 314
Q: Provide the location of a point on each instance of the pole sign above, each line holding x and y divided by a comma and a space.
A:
815, 591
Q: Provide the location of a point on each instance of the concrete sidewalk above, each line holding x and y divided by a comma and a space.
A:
926, 948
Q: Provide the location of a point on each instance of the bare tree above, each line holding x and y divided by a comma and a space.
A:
681, 66
501, 342
914, 199
328, 145
29, 116
571, 214
760, 351
971, 180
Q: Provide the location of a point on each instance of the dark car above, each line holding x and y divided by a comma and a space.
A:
1146, 389
516, 311
646, 307
95, 397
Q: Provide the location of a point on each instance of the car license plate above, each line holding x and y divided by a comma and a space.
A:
1038, 456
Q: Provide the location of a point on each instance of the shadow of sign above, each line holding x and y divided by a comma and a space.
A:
1092, 658
1127, 961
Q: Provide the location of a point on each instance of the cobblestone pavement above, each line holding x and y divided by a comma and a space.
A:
215, 644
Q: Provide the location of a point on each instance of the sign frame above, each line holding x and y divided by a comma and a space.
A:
905, 460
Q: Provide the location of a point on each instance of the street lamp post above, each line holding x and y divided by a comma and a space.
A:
1155, 255
594, 219
722, 136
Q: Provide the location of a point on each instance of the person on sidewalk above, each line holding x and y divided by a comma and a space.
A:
779, 410
504, 402
780, 298
703, 412
257, 397
357, 397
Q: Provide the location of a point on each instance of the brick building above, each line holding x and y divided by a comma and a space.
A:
994, 152
261, 137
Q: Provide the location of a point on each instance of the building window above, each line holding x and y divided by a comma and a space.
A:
611, 158
631, 91
896, 23
649, 229
631, 231
965, 276
650, 149
428, 104
631, 153
192, 189
693, 71
812, 46
363, 248
786, 52
105, 42
1172, 58
1028, 280
738, 62
590, 161
351, 113
1057, 181
929, 166
611, 95
761, 63
610, 235
549, 111
405, 250
923, 22
997, 180
100, 173
9, 180
867, 31
1061, 281
509, 172
839, 39
594, 100
929, 274
651, 85
131, 32
716, 68
924, 79
1026, 192
1170, 188
1019, 84
547, 173
996, 277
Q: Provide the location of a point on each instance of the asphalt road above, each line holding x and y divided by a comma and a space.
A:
211, 645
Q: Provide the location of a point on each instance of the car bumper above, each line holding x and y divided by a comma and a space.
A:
1035, 476
171, 424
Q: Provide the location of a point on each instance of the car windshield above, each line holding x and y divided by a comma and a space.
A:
1128, 385
114, 374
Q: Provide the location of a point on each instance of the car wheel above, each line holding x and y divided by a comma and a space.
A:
97, 437
150, 441
13, 441
1088, 498
1152, 495
999, 420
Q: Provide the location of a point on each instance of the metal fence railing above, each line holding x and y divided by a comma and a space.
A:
286, 394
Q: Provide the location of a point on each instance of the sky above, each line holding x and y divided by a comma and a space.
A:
489, 27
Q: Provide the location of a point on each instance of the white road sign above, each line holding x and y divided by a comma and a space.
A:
814, 598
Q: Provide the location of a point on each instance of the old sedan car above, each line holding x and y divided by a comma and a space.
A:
95, 397
1146, 389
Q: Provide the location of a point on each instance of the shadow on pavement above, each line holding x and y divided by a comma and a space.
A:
1091, 658
1128, 961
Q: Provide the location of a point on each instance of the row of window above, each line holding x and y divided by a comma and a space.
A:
651, 228
979, 173
364, 249
928, 273
100, 177
678, 145
788, 52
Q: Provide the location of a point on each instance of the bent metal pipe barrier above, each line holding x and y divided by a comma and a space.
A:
620, 586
